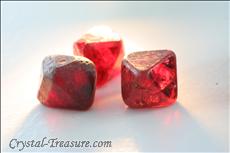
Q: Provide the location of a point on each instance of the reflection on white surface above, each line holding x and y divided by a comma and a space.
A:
125, 144
197, 32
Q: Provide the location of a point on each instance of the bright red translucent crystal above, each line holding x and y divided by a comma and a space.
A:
67, 82
149, 79
104, 47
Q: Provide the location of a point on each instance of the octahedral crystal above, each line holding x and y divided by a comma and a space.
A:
149, 79
67, 82
104, 47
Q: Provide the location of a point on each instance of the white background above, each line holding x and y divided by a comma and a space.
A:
196, 31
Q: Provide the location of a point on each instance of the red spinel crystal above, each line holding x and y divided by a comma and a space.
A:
105, 49
149, 79
67, 82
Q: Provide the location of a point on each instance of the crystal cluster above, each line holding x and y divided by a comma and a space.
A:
148, 78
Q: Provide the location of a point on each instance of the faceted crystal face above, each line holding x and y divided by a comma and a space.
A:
105, 49
67, 82
149, 79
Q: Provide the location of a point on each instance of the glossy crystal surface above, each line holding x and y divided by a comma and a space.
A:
149, 79
105, 48
67, 82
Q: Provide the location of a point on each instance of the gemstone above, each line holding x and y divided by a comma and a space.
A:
67, 82
105, 48
149, 79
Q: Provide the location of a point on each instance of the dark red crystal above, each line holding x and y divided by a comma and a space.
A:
67, 82
105, 49
149, 79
